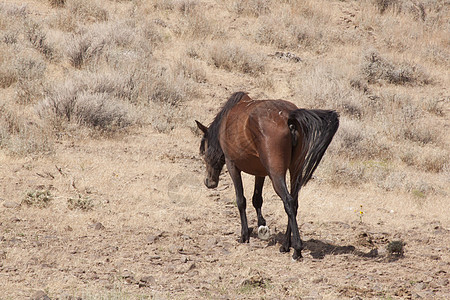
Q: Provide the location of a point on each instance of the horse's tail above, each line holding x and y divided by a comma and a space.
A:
315, 129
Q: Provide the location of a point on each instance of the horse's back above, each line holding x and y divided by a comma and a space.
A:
255, 134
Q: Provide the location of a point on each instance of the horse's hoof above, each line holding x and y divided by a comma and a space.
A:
284, 249
243, 240
297, 255
264, 232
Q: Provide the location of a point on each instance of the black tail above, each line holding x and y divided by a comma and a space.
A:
316, 128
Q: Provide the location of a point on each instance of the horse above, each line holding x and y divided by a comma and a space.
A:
267, 138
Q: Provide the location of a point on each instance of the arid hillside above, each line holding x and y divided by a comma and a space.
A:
101, 182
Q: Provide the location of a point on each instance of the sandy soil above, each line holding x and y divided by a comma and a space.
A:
156, 232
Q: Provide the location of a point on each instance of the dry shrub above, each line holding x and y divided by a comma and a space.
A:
38, 38
237, 57
343, 173
30, 76
428, 159
419, 132
20, 134
254, 8
392, 181
384, 5
96, 105
151, 32
88, 10
8, 74
167, 86
101, 112
191, 69
13, 10
283, 32
57, 3
164, 4
196, 24
356, 141
164, 117
376, 69
85, 48
321, 85
434, 106
102, 42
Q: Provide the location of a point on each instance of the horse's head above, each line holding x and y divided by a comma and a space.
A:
213, 164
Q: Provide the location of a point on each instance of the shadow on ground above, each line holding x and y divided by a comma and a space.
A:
318, 249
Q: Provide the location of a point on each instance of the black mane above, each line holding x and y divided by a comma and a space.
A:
214, 153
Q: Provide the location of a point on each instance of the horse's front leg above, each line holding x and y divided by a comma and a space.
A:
235, 174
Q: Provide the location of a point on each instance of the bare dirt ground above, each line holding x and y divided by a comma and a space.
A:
156, 232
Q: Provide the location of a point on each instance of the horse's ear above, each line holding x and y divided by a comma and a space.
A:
202, 127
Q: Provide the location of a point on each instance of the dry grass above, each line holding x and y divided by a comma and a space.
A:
153, 57
237, 57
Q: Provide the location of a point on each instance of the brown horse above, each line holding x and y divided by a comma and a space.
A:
267, 138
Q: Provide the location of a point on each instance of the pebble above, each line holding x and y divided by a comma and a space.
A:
97, 226
11, 204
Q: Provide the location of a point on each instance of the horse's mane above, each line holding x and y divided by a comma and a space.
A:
215, 153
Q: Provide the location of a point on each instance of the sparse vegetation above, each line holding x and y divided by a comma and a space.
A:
83, 203
38, 198
114, 65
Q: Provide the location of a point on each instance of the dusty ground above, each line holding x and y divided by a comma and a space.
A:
156, 232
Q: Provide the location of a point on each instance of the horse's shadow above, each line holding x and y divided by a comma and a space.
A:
318, 249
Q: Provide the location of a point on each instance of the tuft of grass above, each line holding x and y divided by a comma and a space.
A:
57, 3
81, 202
39, 198
396, 248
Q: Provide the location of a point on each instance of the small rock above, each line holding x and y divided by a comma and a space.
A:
40, 295
151, 239
97, 226
147, 281
11, 204
317, 280
212, 242
186, 268
443, 282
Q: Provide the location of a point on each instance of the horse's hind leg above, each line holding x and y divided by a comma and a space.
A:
290, 207
258, 200
235, 174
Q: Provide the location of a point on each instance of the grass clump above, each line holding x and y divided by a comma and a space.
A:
39, 198
81, 202
396, 248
